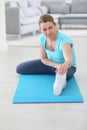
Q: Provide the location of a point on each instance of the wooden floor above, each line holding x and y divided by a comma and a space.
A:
58, 116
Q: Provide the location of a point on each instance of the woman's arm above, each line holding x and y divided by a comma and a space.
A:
45, 60
60, 68
67, 52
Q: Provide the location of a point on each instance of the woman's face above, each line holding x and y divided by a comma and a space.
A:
48, 29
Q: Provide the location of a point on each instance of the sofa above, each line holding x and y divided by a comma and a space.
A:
72, 12
77, 14
22, 16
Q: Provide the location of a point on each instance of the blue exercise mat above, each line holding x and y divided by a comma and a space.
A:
39, 89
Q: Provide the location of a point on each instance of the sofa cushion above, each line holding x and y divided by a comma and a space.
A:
29, 20
34, 3
31, 11
23, 4
43, 9
60, 9
79, 6
13, 4
52, 4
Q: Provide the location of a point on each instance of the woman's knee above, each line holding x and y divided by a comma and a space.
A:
28, 67
19, 69
22, 68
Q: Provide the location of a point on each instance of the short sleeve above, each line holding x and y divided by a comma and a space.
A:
65, 39
42, 40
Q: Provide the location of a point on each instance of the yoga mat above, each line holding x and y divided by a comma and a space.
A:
39, 89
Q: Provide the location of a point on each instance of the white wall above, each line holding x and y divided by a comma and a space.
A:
3, 44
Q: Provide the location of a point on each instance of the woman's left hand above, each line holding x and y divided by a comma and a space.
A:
61, 68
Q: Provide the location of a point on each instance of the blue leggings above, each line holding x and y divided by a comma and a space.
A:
37, 67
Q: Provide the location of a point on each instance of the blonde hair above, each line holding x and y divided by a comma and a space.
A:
46, 18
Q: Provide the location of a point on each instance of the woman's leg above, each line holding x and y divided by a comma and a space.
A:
34, 67
60, 80
71, 72
59, 84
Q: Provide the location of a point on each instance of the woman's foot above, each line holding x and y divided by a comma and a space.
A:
59, 84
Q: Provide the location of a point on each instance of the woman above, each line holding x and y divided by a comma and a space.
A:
57, 55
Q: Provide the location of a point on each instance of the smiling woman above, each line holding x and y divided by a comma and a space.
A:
49, 29
56, 52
